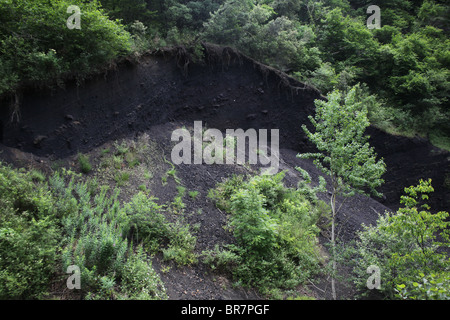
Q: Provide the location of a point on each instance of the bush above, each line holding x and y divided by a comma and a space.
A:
181, 244
29, 236
96, 240
221, 259
139, 280
431, 287
85, 165
223, 191
44, 227
275, 231
148, 225
28, 255
42, 50
405, 246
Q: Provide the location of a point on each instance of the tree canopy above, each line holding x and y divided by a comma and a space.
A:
36, 45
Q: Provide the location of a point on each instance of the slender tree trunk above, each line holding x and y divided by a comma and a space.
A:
333, 244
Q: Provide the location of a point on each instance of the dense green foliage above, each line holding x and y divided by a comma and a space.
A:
327, 44
407, 247
36, 45
47, 226
148, 225
344, 153
100, 235
275, 230
29, 235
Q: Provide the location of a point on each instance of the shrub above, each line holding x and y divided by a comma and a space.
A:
405, 246
223, 191
221, 259
139, 280
146, 222
42, 50
275, 232
85, 165
181, 244
149, 226
28, 255
98, 249
62, 223
29, 236
98, 244
431, 287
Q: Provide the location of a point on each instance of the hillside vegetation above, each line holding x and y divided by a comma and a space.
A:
98, 210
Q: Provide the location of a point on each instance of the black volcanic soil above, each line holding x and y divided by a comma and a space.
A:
165, 91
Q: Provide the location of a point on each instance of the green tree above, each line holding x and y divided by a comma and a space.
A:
406, 246
275, 228
225, 24
185, 15
37, 47
344, 153
258, 31
129, 11
342, 38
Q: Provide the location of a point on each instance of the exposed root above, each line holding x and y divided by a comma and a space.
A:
15, 109
216, 56
183, 59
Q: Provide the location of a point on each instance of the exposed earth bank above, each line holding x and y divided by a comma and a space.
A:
226, 90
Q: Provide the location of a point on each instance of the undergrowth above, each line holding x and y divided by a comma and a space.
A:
29, 234
275, 229
50, 223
